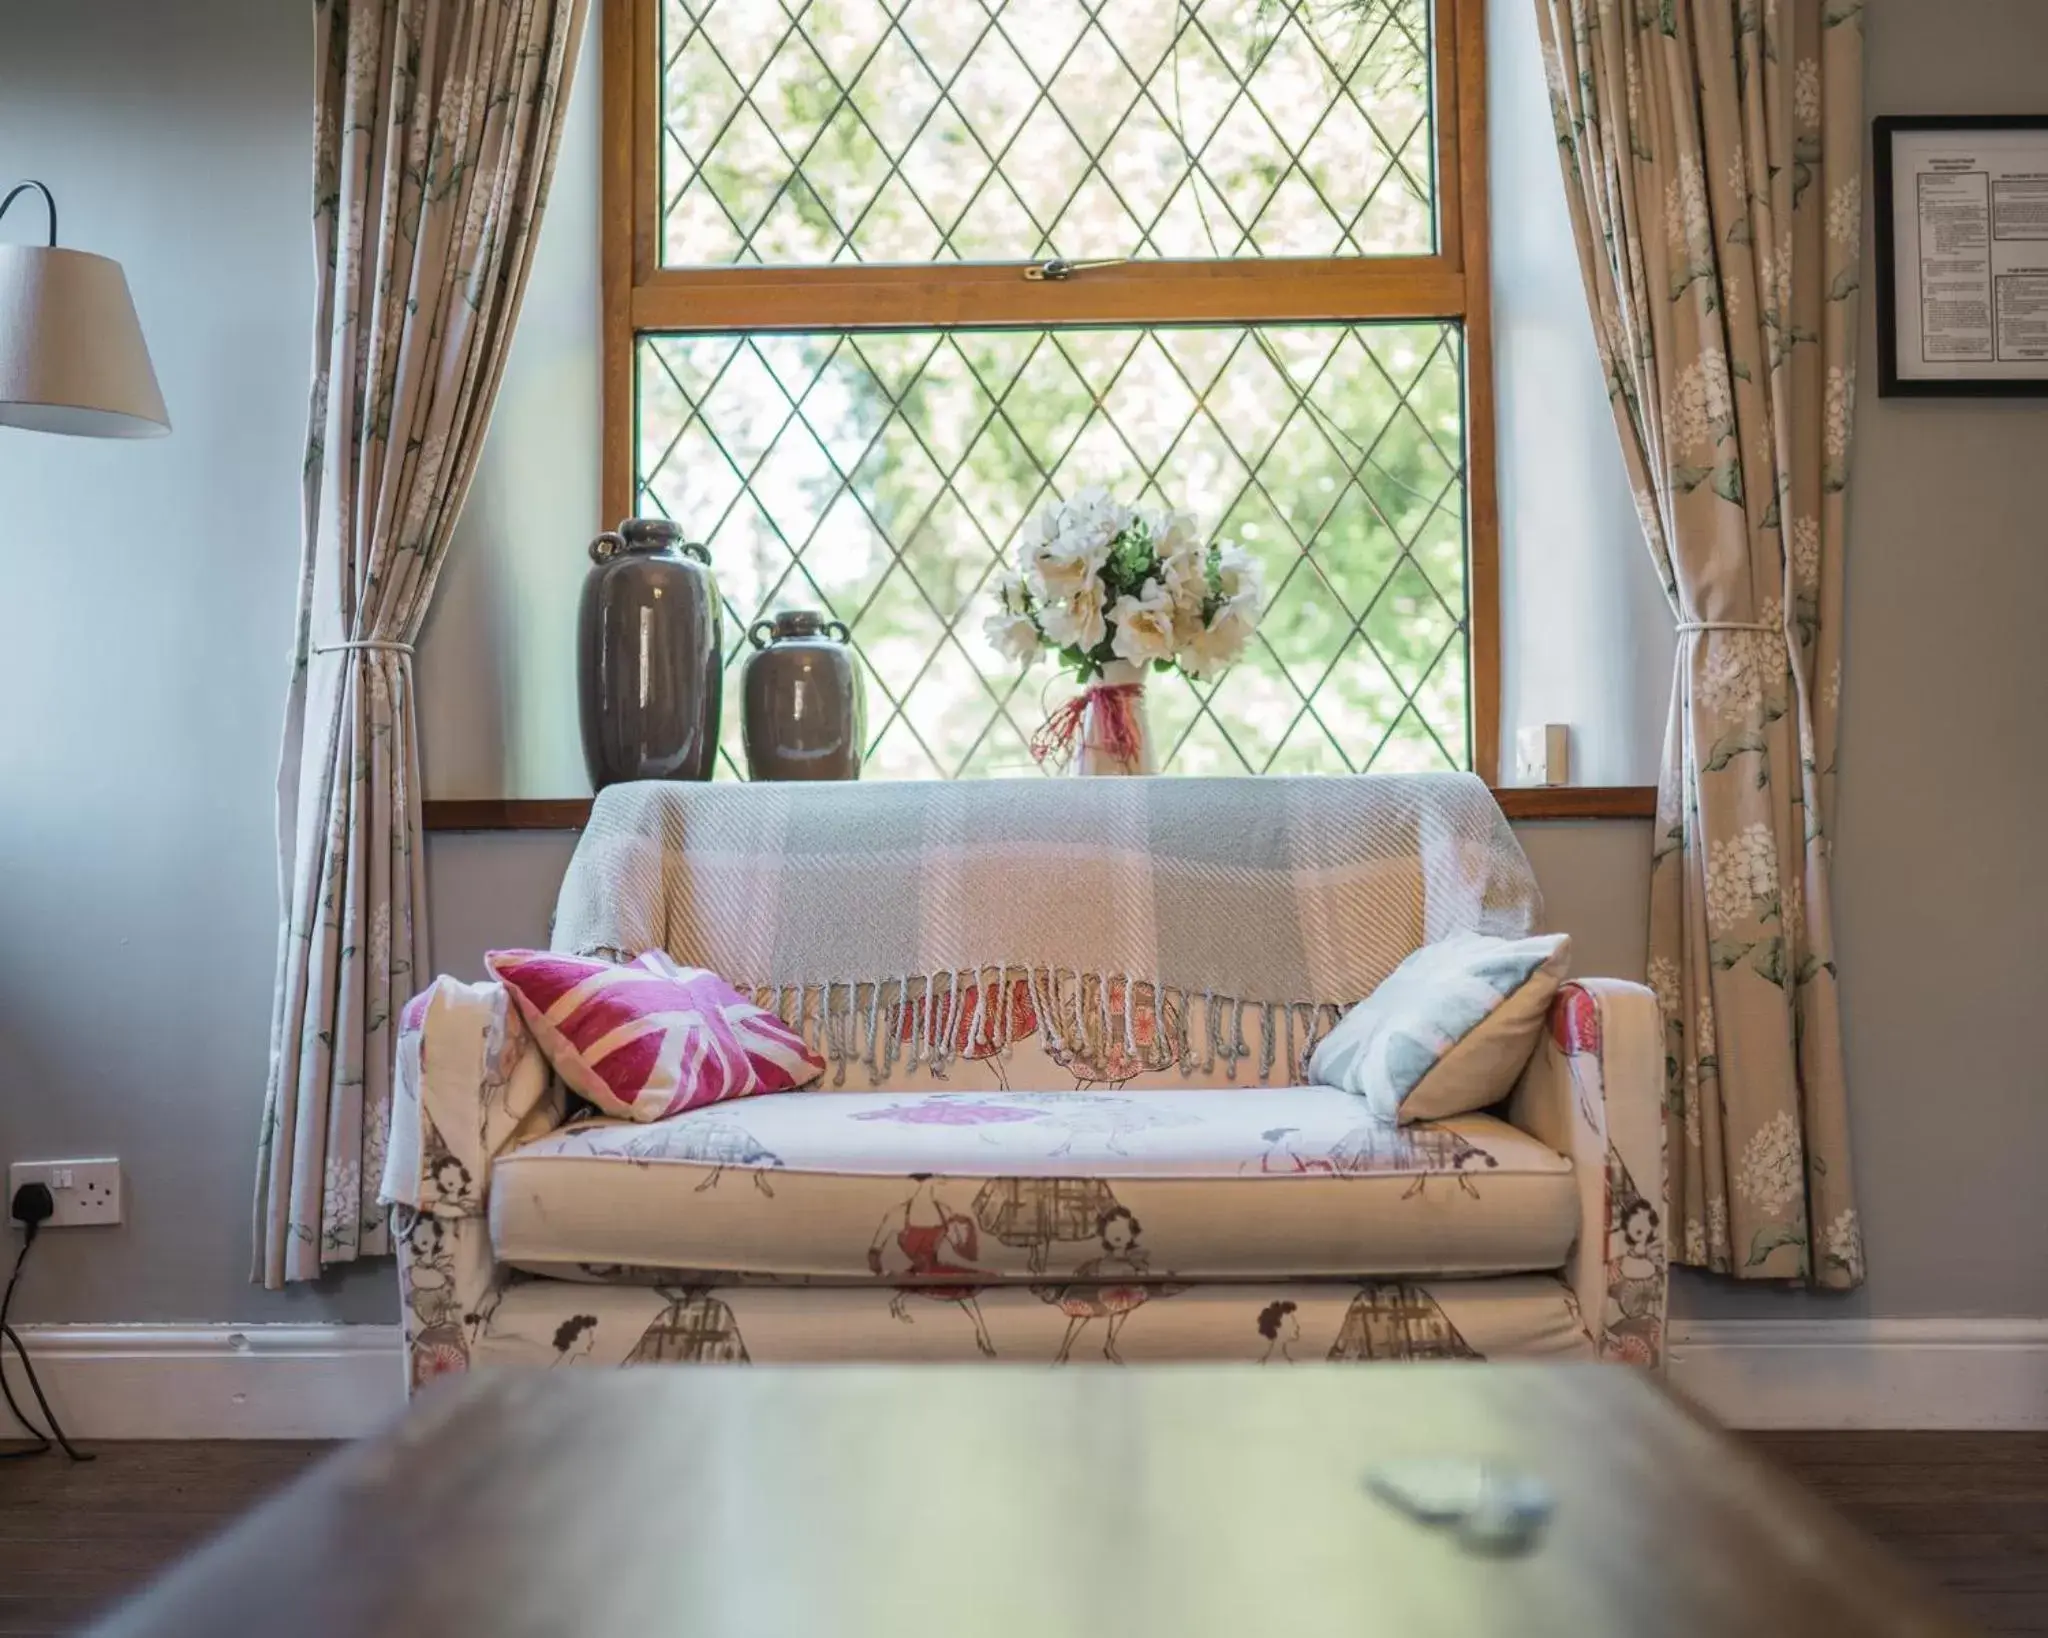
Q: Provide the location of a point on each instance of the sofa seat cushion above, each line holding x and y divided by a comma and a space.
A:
953, 1187
1270, 1322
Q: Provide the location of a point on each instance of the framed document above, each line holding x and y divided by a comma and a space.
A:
1962, 254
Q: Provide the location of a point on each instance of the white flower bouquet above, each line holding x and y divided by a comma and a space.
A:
1114, 592
1097, 582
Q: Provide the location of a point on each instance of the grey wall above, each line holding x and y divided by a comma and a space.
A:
1586, 636
145, 596
145, 610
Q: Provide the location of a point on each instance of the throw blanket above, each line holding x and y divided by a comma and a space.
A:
1214, 905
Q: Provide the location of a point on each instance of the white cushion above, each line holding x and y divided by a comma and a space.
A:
1449, 1030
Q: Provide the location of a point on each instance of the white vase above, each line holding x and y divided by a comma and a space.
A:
1091, 755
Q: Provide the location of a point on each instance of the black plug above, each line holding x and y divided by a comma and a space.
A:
33, 1206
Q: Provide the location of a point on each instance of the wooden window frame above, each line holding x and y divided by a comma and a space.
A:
640, 295
1523, 804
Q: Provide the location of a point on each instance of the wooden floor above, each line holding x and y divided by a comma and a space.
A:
1968, 1511
75, 1538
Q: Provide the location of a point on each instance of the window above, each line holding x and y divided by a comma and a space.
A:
832, 352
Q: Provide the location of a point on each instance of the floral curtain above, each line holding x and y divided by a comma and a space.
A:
1712, 154
435, 129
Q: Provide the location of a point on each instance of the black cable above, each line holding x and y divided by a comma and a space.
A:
37, 1434
50, 1416
42, 1439
49, 199
9, 1334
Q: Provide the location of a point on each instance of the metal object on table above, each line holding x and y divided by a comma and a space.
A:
1491, 1509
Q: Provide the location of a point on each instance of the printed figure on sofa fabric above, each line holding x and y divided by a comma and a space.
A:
950, 1109
433, 1317
1073, 1116
925, 1238
720, 1144
574, 1339
723, 1145
448, 1179
982, 1028
695, 1328
1106, 1048
1280, 1325
1394, 1319
929, 1240
1575, 1026
1377, 1146
1283, 1159
1428, 1148
1128, 1047
1034, 1214
1115, 1288
1634, 1331
1099, 1115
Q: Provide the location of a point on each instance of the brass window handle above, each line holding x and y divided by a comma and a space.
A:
1059, 267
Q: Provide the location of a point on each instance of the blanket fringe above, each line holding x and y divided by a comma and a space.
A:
1102, 1027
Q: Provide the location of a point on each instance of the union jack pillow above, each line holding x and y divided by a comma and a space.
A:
651, 1038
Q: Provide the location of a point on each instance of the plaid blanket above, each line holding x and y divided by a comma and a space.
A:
1285, 899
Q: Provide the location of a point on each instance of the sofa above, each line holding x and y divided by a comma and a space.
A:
1066, 1117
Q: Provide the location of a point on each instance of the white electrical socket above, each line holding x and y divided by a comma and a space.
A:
85, 1191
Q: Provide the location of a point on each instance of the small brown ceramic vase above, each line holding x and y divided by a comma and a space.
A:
805, 717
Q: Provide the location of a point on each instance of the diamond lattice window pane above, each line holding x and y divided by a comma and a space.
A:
883, 477
811, 131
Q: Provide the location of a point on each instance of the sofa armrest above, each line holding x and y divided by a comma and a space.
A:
470, 1085
1594, 1091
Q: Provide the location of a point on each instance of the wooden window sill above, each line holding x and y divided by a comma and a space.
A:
1526, 803
1577, 801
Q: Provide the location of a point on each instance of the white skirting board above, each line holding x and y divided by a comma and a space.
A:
1877, 1373
338, 1381
213, 1381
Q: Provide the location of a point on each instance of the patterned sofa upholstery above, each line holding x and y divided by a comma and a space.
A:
1106, 1223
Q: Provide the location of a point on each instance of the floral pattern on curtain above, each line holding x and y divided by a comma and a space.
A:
1712, 154
435, 128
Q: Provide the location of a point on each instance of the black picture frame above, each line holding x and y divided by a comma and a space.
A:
1889, 384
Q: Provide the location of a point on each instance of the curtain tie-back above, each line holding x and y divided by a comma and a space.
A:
404, 649
1687, 627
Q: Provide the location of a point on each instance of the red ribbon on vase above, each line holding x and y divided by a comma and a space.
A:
1116, 725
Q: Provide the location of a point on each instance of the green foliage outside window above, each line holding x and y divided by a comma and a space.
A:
883, 475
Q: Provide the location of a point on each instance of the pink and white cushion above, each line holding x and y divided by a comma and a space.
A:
651, 1038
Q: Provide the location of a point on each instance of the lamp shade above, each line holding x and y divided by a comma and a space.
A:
72, 358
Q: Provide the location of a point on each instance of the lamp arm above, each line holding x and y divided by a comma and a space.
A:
49, 199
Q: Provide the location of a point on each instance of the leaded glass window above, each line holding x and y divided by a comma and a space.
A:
831, 357
996, 130
883, 476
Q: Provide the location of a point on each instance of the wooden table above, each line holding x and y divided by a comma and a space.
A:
998, 1503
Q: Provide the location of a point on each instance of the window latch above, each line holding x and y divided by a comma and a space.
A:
1058, 268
